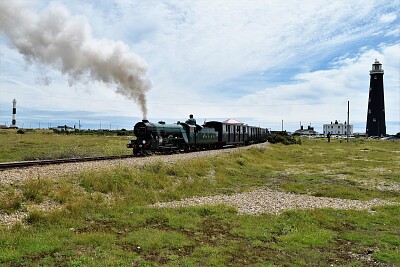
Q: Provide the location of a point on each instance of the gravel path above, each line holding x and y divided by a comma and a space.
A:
9, 220
266, 201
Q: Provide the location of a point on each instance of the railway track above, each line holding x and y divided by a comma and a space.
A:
21, 164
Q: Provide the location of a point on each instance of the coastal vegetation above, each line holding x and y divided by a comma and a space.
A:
105, 217
19, 145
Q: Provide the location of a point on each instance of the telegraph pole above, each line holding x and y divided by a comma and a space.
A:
348, 120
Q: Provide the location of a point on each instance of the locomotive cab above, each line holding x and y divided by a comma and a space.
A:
200, 137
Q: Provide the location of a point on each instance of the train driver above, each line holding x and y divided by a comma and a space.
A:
191, 120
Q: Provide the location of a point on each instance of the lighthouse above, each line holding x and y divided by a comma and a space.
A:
14, 113
376, 125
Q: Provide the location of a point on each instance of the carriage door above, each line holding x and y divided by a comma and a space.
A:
228, 128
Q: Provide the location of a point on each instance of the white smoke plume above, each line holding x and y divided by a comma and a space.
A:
64, 42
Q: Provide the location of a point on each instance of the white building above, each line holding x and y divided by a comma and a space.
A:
64, 128
338, 128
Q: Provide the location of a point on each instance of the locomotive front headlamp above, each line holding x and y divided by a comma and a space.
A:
144, 142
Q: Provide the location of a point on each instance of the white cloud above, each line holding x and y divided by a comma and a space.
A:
388, 18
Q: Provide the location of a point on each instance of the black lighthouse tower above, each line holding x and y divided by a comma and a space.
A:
376, 125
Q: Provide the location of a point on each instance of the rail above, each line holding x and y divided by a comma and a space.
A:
16, 164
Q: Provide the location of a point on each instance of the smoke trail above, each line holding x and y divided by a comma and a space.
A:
55, 38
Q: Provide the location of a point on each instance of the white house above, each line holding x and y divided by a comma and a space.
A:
338, 128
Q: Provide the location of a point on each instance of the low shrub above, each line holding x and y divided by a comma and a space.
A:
37, 189
284, 138
10, 200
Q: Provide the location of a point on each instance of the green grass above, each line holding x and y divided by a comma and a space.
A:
45, 144
10, 199
104, 219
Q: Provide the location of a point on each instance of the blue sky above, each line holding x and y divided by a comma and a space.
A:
260, 62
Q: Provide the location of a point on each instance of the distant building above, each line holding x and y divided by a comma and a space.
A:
309, 131
63, 128
2, 126
338, 128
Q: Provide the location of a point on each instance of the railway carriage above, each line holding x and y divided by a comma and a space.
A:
257, 134
229, 133
233, 133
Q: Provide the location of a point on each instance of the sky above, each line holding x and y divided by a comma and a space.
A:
109, 63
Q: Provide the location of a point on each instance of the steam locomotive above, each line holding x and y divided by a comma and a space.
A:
184, 137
